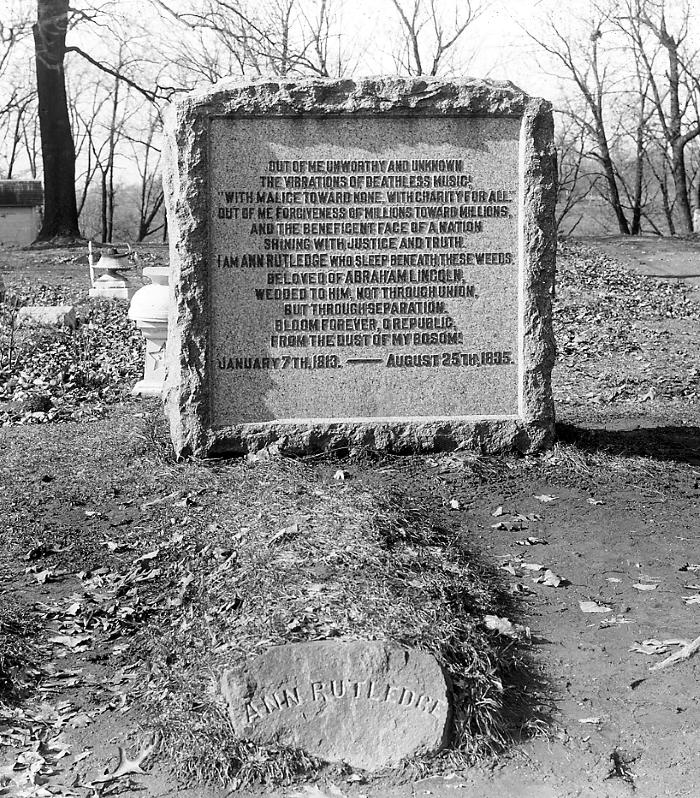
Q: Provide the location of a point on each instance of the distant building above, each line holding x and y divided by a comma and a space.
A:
21, 203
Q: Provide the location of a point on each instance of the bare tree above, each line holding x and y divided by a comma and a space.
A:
12, 33
673, 90
658, 162
279, 37
632, 121
87, 98
147, 158
576, 175
58, 151
32, 141
591, 75
430, 32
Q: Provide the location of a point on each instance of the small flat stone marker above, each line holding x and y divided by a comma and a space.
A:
360, 264
369, 704
47, 316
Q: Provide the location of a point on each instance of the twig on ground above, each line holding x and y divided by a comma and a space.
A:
126, 766
683, 653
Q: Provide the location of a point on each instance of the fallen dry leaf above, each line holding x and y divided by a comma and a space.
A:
519, 589
649, 647
593, 606
505, 627
550, 579
546, 497
639, 586
617, 619
287, 533
151, 555
80, 721
43, 576
116, 547
73, 642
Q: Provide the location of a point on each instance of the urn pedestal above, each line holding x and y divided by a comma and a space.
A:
112, 284
149, 310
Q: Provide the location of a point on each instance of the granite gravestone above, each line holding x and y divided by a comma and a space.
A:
369, 704
360, 263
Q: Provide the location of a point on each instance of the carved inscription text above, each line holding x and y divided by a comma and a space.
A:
340, 690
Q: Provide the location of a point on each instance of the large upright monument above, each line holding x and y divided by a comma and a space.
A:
362, 263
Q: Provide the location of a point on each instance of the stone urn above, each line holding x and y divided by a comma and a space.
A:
149, 310
112, 284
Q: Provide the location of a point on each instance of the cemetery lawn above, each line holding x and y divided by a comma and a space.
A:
547, 585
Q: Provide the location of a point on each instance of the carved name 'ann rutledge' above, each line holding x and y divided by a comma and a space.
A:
345, 689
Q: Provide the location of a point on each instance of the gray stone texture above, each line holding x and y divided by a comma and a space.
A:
369, 704
487, 409
47, 316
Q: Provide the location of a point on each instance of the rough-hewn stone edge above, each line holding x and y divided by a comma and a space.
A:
539, 253
397, 437
185, 182
378, 95
185, 176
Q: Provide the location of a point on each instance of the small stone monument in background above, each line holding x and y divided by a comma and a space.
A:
360, 263
111, 284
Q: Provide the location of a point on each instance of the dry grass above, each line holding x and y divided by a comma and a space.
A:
290, 555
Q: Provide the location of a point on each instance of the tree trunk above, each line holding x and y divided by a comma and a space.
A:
639, 167
668, 210
110, 161
685, 217
680, 182
57, 147
103, 207
613, 191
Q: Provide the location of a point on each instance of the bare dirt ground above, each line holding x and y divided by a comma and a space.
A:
104, 540
655, 256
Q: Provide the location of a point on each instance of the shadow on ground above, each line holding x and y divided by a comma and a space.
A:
668, 443
413, 514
